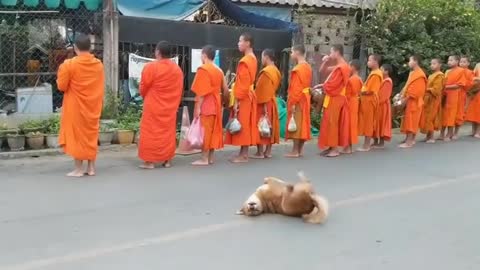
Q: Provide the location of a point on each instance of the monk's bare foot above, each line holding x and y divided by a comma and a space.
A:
406, 145
292, 155
441, 138
379, 146
333, 153
476, 136
75, 173
347, 150
147, 166
258, 156
364, 149
325, 152
239, 159
167, 164
201, 162
268, 155
90, 173
447, 139
430, 141
455, 137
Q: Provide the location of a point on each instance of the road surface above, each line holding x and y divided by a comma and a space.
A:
391, 209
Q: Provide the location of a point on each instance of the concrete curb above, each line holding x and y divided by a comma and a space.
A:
50, 152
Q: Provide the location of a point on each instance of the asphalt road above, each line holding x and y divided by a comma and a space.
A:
391, 209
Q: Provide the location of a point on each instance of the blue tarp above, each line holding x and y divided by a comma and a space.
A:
174, 10
281, 13
242, 16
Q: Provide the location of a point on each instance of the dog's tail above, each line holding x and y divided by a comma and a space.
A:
320, 212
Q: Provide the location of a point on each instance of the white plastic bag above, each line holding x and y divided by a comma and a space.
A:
292, 126
195, 134
264, 127
234, 126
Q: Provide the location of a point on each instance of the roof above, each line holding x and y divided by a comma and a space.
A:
364, 4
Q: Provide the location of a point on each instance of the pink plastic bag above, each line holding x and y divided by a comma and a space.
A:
195, 134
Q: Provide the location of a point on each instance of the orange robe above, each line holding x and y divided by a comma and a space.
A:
430, 120
449, 109
335, 125
161, 87
268, 83
82, 81
247, 103
354, 86
414, 91
299, 96
367, 117
473, 109
462, 96
208, 83
383, 128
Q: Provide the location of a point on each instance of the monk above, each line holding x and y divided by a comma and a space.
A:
82, 81
430, 119
335, 125
354, 86
473, 109
208, 83
161, 87
268, 83
462, 95
413, 93
245, 101
367, 117
454, 83
383, 130
298, 103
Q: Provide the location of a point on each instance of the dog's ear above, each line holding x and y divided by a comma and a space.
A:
289, 188
240, 212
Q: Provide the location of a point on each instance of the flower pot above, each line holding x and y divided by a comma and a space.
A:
105, 137
16, 142
36, 141
2, 141
52, 141
125, 136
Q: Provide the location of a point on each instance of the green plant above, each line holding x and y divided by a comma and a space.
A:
33, 126
53, 125
110, 105
130, 118
430, 28
108, 127
315, 118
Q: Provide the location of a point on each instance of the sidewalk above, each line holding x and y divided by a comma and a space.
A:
120, 148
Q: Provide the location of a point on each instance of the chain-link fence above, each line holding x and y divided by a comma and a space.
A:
35, 38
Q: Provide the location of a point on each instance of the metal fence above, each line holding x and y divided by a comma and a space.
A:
34, 41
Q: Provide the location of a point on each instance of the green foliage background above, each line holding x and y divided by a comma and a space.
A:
431, 28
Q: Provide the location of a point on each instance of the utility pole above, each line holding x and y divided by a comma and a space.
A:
110, 45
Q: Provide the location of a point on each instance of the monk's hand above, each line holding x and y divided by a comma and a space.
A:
318, 86
293, 108
325, 58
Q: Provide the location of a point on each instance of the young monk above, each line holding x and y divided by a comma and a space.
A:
161, 87
208, 83
473, 109
369, 102
430, 119
454, 83
383, 130
82, 80
245, 100
335, 125
298, 103
413, 93
354, 86
268, 83
462, 94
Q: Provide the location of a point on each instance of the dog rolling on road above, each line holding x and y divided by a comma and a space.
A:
278, 197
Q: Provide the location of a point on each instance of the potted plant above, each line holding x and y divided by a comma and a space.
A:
16, 141
128, 124
53, 128
110, 107
35, 140
105, 136
32, 126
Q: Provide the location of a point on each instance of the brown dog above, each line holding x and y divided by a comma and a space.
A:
278, 197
